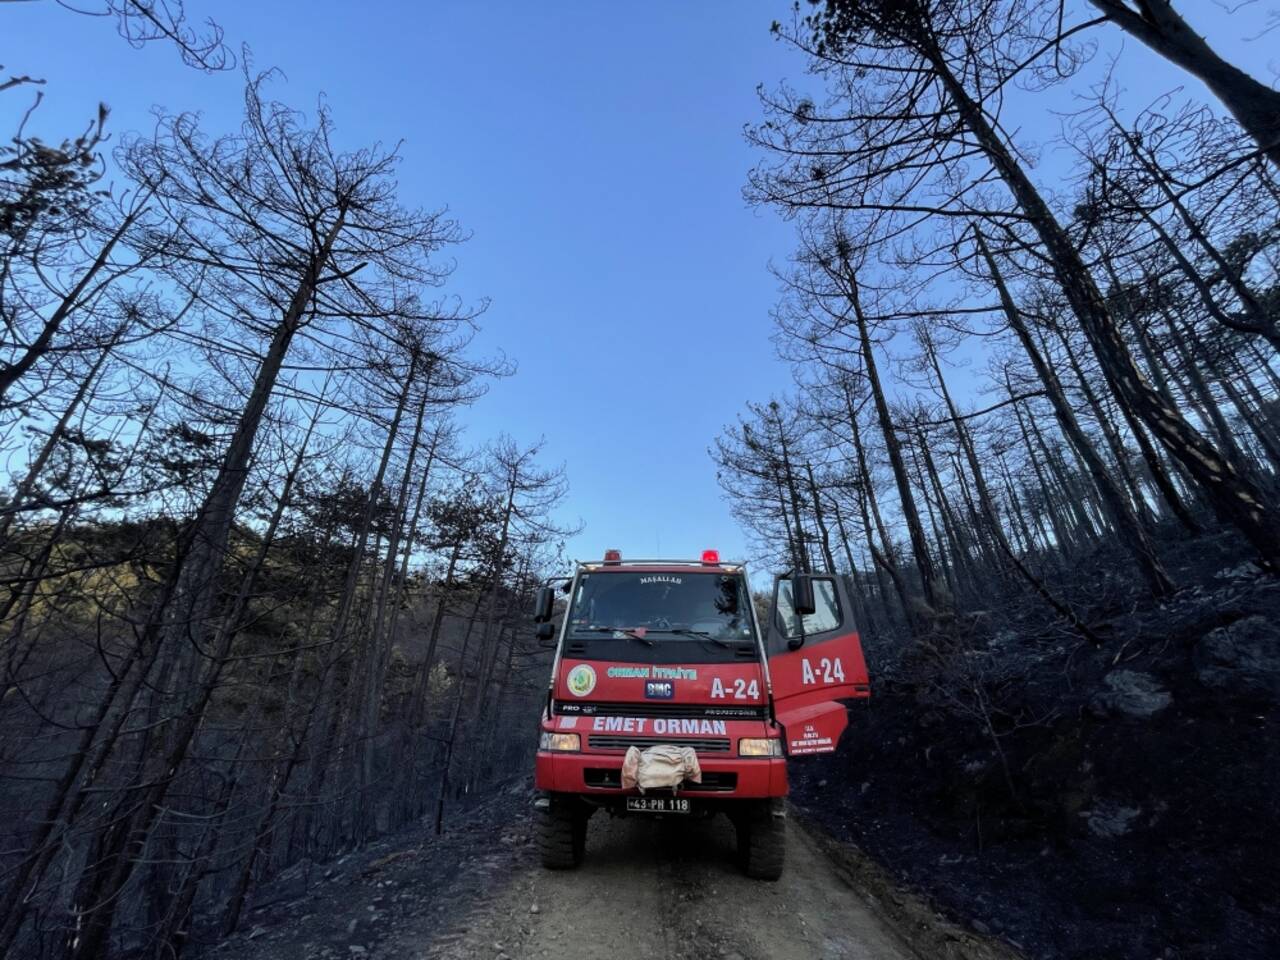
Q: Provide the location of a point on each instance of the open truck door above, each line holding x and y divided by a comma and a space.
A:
815, 661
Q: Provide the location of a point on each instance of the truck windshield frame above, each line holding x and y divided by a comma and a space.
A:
685, 614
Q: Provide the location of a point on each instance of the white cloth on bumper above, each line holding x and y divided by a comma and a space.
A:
663, 765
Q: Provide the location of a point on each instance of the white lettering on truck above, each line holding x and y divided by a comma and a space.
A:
662, 725
811, 742
619, 724
829, 671
674, 725
741, 690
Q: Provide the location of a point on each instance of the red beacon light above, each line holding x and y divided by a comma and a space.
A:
613, 556
711, 558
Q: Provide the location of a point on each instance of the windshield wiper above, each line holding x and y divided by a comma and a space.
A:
635, 633
703, 635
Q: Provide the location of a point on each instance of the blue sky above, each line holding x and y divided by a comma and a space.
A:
595, 152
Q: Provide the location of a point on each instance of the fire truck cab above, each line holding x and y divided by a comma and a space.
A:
671, 652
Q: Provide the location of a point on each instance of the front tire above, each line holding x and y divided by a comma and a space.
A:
762, 843
562, 835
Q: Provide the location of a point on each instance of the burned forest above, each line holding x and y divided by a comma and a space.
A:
263, 599
1035, 422
283, 562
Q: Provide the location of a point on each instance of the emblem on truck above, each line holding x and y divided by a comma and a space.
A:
581, 680
659, 689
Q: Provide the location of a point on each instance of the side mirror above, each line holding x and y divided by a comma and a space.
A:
802, 595
545, 632
543, 605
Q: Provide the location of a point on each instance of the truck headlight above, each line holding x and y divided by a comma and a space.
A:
759, 747
569, 742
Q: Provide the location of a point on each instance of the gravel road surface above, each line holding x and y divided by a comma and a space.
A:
666, 888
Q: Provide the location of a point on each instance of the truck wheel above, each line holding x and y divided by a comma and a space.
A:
562, 836
762, 845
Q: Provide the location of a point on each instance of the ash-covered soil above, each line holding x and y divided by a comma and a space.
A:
1125, 801
393, 898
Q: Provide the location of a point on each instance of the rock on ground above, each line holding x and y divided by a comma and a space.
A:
1130, 693
1241, 658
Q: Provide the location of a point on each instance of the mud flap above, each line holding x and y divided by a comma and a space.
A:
815, 661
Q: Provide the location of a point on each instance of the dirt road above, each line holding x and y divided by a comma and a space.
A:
659, 889
648, 889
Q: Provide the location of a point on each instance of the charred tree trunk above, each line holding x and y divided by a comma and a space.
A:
1236, 496
1122, 518
916, 532
788, 476
868, 622
824, 535
1062, 537
1161, 28
886, 560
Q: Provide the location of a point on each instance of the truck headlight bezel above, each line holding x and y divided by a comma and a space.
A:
560, 742
759, 747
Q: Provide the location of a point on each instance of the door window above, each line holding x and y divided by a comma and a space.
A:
825, 617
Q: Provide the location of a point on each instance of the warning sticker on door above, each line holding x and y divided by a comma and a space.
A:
810, 741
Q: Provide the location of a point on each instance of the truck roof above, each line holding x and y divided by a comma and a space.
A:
658, 566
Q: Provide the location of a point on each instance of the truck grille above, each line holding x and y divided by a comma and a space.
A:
712, 782
621, 743
649, 708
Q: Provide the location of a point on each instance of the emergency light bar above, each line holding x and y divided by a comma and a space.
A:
613, 558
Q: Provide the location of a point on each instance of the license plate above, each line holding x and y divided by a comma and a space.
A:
658, 804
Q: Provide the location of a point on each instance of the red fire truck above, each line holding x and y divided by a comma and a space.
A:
671, 652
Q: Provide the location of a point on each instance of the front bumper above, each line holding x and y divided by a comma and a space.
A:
599, 775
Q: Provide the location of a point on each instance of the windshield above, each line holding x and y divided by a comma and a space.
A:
680, 606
